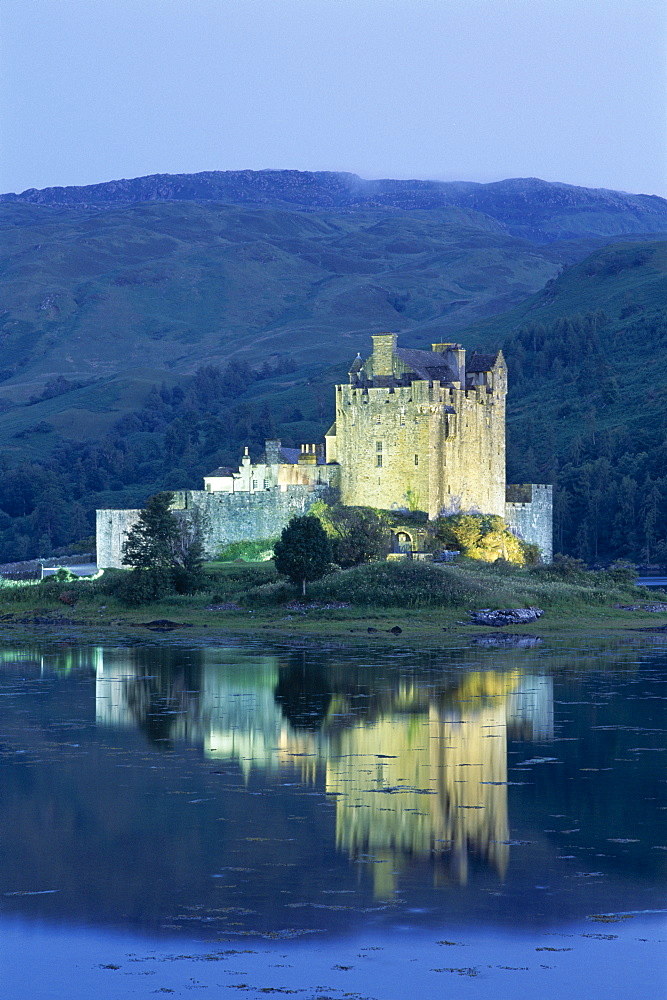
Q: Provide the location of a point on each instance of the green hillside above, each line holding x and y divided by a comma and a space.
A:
587, 407
87, 294
142, 344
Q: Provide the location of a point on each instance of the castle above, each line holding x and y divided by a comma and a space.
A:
414, 430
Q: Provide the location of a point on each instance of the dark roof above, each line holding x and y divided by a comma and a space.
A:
356, 365
223, 470
481, 362
290, 456
428, 365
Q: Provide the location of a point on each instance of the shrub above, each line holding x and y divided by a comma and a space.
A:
484, 537
357, 534
399, 584
259, 550
564, 568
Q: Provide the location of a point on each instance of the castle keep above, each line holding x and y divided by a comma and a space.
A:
414, 430
422, 430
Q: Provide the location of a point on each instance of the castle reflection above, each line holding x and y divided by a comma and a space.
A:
417, 765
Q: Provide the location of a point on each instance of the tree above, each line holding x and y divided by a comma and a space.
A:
188, 555
149, 550
357, 534
303, 552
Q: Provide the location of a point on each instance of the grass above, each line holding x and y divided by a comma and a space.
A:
424, 600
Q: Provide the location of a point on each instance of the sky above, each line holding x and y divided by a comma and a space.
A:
478, 90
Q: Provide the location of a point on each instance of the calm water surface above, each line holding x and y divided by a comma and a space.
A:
332, 823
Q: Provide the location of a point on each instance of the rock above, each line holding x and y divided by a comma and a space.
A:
507, 640
505, 616
396, 630
371, 629
164, 625
67, 597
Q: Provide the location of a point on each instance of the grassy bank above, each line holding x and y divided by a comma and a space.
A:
422, 599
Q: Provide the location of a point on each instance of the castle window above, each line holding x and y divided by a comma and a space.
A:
378, 445
378, 461
416, 459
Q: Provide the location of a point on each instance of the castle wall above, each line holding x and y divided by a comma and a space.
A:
529, 516
224, 518
111, 531
425, 447
238, 517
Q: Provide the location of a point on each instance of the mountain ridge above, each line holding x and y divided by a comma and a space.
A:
526, 206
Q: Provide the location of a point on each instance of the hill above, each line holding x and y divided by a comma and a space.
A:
165, 286
146, 337
587, 407
528, 207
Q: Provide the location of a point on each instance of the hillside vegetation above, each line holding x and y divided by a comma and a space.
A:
146, 338
157, 289
587, 407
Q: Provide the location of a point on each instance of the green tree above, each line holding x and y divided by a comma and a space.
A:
149, 550
303, 551
357, 534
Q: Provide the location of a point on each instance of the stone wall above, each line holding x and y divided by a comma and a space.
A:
111, 530
238, 517
224, 518
529, 515
424, 447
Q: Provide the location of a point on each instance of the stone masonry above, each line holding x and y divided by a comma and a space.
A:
529, 515
417, 430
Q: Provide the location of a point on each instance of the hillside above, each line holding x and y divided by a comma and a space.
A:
587, 407
165, 286
145, 342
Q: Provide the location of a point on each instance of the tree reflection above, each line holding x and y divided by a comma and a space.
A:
304, 691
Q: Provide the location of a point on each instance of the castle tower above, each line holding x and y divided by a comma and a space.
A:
422, 430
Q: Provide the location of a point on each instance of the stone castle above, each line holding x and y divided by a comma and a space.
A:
414, 431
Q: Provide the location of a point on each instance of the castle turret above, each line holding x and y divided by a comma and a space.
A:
355, 368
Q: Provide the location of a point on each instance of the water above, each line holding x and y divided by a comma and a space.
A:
333, 822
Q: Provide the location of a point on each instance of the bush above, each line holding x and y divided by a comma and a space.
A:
399, 584
484, 537
357, 534
564, 568
259, 550
623, 573
267, 595
143, 586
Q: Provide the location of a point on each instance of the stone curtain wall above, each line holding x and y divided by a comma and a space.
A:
404, 448
111, 530
238, 517
224, 518
529, 516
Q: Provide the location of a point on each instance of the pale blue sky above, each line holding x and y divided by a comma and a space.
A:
569, 90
